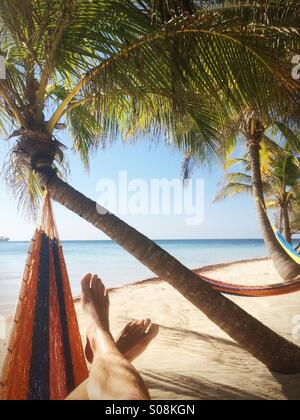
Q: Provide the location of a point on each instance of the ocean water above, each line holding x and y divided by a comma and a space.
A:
114, 265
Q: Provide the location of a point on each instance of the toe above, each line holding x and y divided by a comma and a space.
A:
94, 283
128, 326
137, 327
147, 323
153, 331
98, 286
86, 288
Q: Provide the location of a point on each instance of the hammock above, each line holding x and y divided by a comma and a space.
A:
287, 247
278, 289
282, 241
45, 359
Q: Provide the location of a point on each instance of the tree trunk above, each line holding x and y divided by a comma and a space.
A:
286, 223
274, 351
280, 227
287, 268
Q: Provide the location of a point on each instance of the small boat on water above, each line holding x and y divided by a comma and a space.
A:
3, 239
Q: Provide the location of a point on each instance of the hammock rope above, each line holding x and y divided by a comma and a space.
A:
45, 358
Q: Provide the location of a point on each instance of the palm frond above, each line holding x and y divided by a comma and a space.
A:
179, 69
272, 204
22, 180
232, 189
238, 177
291, 139
205, 54
229, 163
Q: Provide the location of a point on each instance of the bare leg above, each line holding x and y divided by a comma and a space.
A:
132, 342
112, 377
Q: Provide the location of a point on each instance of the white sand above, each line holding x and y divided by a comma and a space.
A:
192, 358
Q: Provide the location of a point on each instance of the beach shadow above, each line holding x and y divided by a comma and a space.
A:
289, 384
185, 387
204, 337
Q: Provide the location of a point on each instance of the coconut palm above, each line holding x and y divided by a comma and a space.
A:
286, 267
295, 225
104, 69
247, 128
281, 185
284, 192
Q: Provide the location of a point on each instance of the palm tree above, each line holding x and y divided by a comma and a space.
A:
281, 184
100, 68
249, 129
286, 267
285, 183
294, 221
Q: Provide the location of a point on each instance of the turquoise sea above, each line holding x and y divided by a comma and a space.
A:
114, 265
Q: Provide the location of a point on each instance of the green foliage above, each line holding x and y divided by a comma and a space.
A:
176, 70
280, 174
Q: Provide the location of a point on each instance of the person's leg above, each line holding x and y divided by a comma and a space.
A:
132, 342
112, 376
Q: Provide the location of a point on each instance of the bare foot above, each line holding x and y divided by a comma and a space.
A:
95, 303
135, 337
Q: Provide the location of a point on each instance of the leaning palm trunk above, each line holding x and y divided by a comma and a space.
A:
287, 268
286, 223
274, 351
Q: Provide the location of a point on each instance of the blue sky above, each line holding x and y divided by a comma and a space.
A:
233, 218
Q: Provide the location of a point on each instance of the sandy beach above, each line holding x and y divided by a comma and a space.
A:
192, 358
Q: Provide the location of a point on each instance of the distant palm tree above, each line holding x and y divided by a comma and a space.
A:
104, 69
247, 128
281, 185
255, 132
295, 219
285, 192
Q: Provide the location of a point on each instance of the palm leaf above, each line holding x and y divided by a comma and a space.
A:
232, 189
290, 137
212, 56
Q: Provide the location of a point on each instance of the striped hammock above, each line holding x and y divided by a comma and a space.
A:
277, 289
282, 241
287, 247
45, 358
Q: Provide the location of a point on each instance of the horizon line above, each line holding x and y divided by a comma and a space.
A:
156, 239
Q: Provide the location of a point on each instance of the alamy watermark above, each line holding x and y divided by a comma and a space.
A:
296, 68
2, 68
154, 197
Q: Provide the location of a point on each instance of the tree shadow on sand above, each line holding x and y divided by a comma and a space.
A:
171, 385
179, 386
201, 336
289, 385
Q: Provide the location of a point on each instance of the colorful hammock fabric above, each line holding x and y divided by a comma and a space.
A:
287, 247
278, 289
45, 358
282, 241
